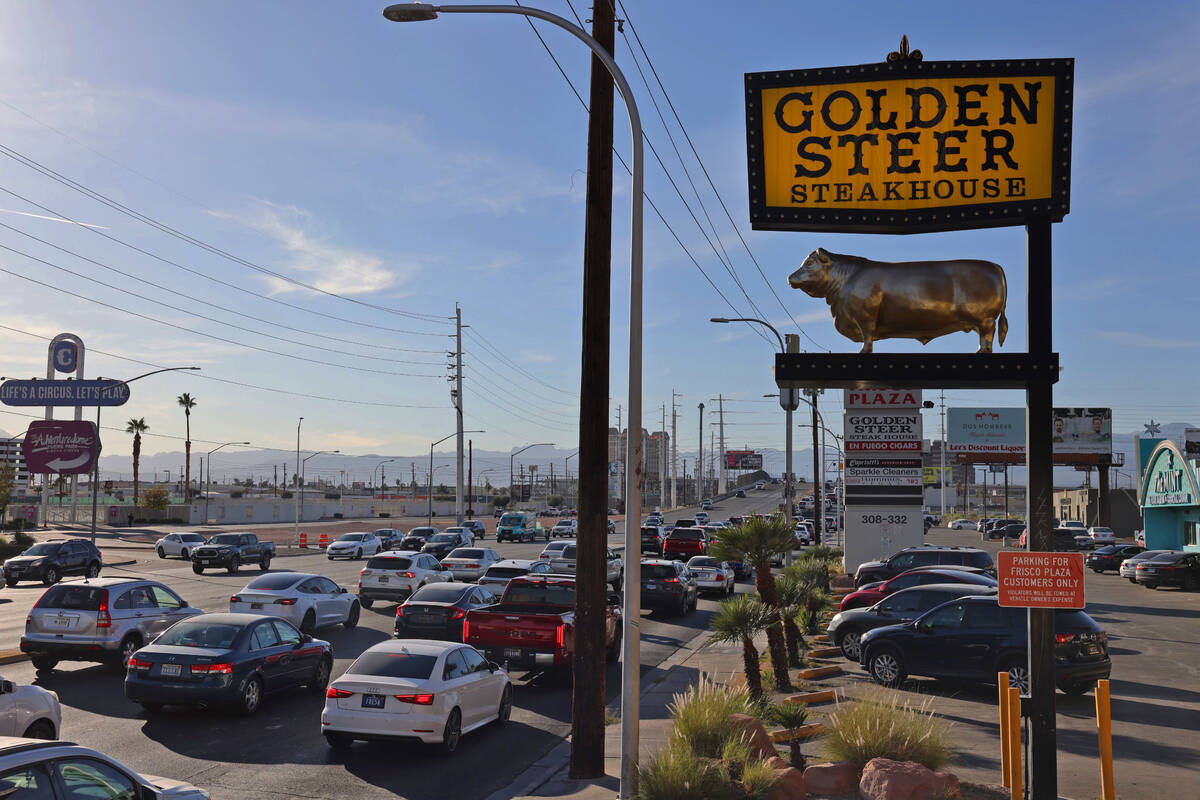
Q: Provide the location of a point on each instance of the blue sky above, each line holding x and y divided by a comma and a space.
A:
410, 167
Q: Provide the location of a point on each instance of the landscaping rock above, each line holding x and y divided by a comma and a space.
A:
885, 779
830, 779
776, 762
752, 731
790, 785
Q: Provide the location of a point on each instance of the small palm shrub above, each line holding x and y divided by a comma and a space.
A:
738, 621
790, 717
879, 724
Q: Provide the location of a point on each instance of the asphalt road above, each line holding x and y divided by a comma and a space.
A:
280, 751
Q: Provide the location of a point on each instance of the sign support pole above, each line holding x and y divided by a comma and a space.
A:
1040, 487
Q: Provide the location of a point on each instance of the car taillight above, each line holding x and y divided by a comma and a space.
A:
365, 572
212, 669
337, 693
458, 614
560, 636
286, 601
235, 599
670, 580
103, 620
399, 611
466, 629
471, 566
408, 575
1064, 638
138, 663
417, 699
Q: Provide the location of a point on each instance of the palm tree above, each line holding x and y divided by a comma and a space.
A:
791, 717
740, 619
137, 427
756, 542
188, 402
792, 599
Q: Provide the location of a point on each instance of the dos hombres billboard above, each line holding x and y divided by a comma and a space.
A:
985, 430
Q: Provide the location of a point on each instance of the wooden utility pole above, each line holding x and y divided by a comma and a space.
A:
587, 692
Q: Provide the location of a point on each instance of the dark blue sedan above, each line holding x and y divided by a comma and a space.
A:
229, 660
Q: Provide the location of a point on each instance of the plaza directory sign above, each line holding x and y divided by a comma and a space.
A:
64, 393
909, 145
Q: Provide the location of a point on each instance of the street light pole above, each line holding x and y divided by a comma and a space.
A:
303, 464
377, 468
295, 497
510, 464
208, 475
435, 444
631, 661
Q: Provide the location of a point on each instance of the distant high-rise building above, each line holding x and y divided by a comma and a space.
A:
10, 451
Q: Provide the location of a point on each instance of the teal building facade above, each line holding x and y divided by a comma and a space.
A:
1169, 494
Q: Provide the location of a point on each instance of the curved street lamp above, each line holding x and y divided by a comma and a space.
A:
208, 474
435, 444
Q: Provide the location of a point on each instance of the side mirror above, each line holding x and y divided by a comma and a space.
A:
7, 687
614, 599
305, 637
492, 666
183, 603
341, 590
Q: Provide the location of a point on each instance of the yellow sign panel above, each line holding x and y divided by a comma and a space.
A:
890, 147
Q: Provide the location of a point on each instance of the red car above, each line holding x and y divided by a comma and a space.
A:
683, 543
872, 594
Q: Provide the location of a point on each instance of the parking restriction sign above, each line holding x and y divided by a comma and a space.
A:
1040, 580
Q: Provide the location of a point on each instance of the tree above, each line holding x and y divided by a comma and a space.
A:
156, 498
555, 500
8, 480
188, 403
791, 717
756, 542
739, 620
500, 501
137, 427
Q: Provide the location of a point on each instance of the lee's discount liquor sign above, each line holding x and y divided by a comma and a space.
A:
1040, 580
909, 146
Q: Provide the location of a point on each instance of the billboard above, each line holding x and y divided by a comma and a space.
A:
985, 430
67, 447
1191, 442
909, 146
885, 432
1083, 430
743, 459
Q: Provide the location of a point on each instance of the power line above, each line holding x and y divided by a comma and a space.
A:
164, 228
500, 355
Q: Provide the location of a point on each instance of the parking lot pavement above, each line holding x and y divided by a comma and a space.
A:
1154, 642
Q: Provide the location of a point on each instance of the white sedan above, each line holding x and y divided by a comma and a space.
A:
1102, 535
712, 575
964, 525
354, 545
307, 601
29, 711
178, 545
418, 689
554, 549
469, 563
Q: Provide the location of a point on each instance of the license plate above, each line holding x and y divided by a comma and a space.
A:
170, 670
512, 652
651, 586
1092, 649
62, 622
373, 700
256, 606
204, 560
383, 578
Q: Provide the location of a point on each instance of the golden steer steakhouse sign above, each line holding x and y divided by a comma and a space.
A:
907, 147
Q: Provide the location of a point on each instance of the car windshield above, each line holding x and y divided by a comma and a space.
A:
351, 537
554, 547
541, 594
704, 561
686, 533
512, 519
389, 562
273, 582
658, 571
456, 530
568, 552
1101, 530
439, 593
565, 523
384, 532
423, 532
225, 538
43, 549
72, 597
467, 552
505, 572
443, 537
190, 537
1107, 550
197, 633
418, 666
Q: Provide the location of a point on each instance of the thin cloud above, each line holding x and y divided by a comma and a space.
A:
1134, 339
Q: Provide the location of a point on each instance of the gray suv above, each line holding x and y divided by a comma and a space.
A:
103, 619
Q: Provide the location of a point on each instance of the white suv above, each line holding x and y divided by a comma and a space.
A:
565, 527
29, 711
396, 574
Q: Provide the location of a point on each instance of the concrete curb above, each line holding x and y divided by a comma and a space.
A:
12, 656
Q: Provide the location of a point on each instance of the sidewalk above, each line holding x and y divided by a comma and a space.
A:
549, 776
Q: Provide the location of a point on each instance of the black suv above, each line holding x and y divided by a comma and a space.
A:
924, 556
49, 561
974, 638
668, 584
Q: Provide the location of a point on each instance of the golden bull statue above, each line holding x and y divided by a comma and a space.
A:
919, 300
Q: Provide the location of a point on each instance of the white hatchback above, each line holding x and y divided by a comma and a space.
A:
307, 601
354, 545
415, 690
394, 575
30, 712
469, 563
1102, 535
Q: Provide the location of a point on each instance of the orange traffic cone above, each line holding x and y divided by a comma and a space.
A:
303, 539
323, 542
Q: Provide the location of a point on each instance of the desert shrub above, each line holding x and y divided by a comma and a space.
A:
677, 773
880, 724
790, 716
759, 779
701, 716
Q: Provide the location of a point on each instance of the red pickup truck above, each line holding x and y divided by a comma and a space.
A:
533, 626
683, 543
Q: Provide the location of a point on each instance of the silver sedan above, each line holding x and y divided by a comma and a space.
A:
712, 575
469, 563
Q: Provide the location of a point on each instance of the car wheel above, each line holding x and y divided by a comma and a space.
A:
1076, 688
851, 644
1097, 571
506, 703
309, 623
352, 618
93, 570
233, 565
336, 741
42, 729
1151, 585
1133, 581
162, 553
695, 601
129, 645
357, 554
612, 654
452, 732
10, 582
683, 607
1018, 675
51, 576
264, 564
251, 697
1191, 583
184, 555
43, 664
196, 568
320, 677
366, 602
887, 667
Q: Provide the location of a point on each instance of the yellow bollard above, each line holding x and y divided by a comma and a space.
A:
1104, 724
1002, 680
1014, 741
